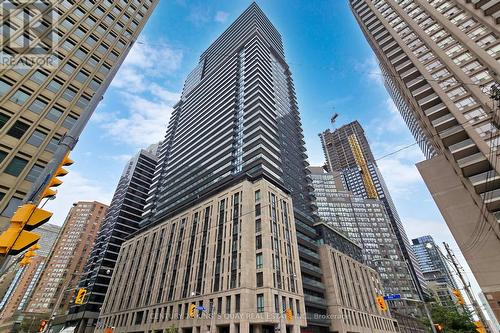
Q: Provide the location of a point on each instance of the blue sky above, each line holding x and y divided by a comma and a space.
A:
333, 68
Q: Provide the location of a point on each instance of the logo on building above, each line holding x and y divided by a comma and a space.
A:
27, 34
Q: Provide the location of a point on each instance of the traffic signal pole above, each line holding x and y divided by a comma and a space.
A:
466, 285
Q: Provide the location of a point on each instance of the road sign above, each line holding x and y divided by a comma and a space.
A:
200, 308
392, 297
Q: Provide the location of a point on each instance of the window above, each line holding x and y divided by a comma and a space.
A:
257, 210
38, 77
18, 129
260, 302
37, 106
228, 304
237, 303
258, 242
258, 225
11, 207
259, 259
54, 114
69, 122
257, 196
16, 166
3, 119
260, 279
52, 145
4, 88
19, 97
35, 171
3, 155
54, 86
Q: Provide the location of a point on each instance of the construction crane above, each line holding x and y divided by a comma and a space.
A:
363, 167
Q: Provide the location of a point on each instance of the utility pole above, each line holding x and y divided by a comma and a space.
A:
466, 285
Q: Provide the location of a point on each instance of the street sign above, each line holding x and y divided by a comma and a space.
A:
392, 297
200, 308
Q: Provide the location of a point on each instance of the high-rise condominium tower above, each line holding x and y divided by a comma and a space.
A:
67, 259
440, 59
228, 223
436, 271
121, 221
343, 148
40, 102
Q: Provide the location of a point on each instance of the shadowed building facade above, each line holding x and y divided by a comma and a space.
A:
40, 103
121, 221
440, 61
233, 152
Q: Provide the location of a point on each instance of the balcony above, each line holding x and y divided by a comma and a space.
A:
492, 200
474, 164
436, 111
463, 149
453, 135
444, 122
485, 181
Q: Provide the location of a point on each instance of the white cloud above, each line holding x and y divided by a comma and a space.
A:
145, 120
370, 70
145, 61
147, 104
221, 16
75, 188
400, 175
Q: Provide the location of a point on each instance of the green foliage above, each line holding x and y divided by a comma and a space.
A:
171, 329
451, 320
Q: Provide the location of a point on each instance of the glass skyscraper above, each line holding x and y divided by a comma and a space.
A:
340, 156
121, 222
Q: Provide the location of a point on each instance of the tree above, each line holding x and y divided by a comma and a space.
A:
451, 320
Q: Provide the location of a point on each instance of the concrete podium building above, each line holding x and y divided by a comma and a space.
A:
440, 61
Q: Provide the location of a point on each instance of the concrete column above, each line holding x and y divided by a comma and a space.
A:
296, 329
244, 326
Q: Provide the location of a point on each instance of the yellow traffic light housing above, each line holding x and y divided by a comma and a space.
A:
18, 237
289, 314
459, 296
82, 292
54, 182
381, 304
192, 308
479, 327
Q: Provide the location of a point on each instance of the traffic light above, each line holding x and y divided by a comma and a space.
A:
439, 327
381, 304
459, 296
192, 308
479, 327
17, 237
43, 325
27, 217
82, 292
29, 254
289, 314
54, 181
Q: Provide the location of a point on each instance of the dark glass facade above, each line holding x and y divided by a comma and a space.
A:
122, 220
